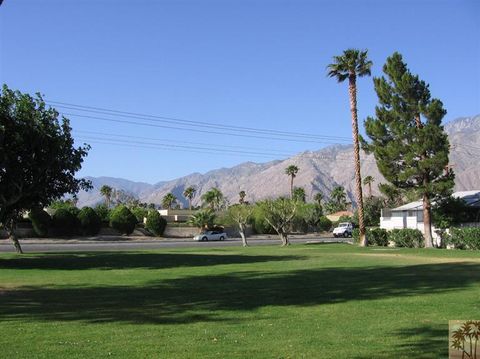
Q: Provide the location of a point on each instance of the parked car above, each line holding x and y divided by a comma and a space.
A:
210, 236
344, 229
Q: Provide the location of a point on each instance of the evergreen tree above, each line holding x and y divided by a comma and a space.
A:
407, 137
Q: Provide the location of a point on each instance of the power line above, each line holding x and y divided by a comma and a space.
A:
193, 130
202, 124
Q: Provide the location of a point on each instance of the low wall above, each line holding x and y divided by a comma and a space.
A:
187, 232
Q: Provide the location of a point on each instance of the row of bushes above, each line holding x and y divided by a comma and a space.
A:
408, 238
463, 238
69, 221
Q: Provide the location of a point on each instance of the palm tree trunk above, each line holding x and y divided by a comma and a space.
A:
190, 204
291, 187
352, 89
370, 190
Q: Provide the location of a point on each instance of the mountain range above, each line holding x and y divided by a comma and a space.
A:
320, 171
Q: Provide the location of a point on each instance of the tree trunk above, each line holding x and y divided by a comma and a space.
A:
242, 234
352, 88
291, 187
427, 222
370, 190
190, 204
284, 239
12, 234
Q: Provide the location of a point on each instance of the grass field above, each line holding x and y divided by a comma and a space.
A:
305, 301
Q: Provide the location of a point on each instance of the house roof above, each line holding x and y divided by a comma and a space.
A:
471, 198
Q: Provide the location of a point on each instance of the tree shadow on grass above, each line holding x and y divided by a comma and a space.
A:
118, 260
225, 297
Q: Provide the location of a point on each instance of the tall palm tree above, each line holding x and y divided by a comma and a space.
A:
213, 198
339, 197
291, 171
241, 196
351, 64
106, 191
367, 181
318, 197
189, 193
168, 200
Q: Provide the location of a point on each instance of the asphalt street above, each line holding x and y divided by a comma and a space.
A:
39, 245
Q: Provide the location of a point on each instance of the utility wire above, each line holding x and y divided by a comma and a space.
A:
202, 124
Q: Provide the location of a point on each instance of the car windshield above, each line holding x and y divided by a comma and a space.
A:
343, 225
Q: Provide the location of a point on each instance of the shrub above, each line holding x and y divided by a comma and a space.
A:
156, 223
259, 223
103, 212
139, 213
64, 222
356, 235
324, 224
377, 237
89, 221
464, 238
41, 221
123, 220
407, 237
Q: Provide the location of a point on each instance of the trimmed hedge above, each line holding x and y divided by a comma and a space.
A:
64, 223
90, 222
407, 237
103, 212
139, 213
156, 223
377, 237
41, 221
464, 238
123, 220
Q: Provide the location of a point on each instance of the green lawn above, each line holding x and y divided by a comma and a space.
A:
305, 301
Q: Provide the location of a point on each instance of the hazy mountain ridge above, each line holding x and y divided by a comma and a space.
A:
320, 171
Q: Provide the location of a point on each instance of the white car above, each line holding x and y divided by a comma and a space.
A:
343, 230
210, 236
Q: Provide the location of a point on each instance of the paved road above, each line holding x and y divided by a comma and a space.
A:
120, 245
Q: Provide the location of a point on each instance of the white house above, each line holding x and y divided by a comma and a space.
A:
410, 215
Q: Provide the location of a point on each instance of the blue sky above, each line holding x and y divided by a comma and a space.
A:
258, 64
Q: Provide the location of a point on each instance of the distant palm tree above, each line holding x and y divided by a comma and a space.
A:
106, 191
351, 64
168, 200
213, 198
241, 196
189, 193
202, 219
291, 171
299, 194
367, 181
318, 197
338, 195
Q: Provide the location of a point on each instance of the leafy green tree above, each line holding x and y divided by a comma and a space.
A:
291, 171
241, 215
372, 208
123, 220
106, 191
140, 213
168, 200
103, 212
407, 137
38, 160
156, 223
202, 219
299, 194
65, 222
279, 213
213, 198
41, 221
318, 198
338, 200
351, 64
367, 181
189, 193
241, 197
89, 221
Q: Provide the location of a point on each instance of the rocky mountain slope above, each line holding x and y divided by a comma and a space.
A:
319, 171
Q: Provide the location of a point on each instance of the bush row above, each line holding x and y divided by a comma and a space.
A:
408, 238
70, 221
464, 238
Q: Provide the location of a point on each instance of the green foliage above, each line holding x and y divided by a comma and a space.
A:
213, 199
407, 237
203, 219
356, 235
107, 191
89, 221
168, 200
372, 208
324, 224
123, 220
41, 221
37, 155
260, 225
299, 194
464, 238
377, 237
140, 213
64, 222
338, 200
279, 213
103, 212
307, 217
155, 223
452, 211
